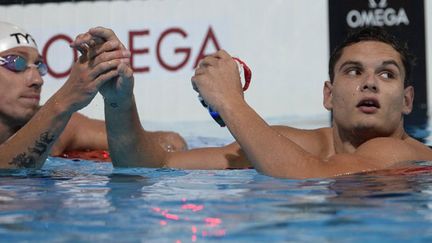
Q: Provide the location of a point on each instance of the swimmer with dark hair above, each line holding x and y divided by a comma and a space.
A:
368, 92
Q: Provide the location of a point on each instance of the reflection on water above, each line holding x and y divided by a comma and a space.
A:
70, 201
86, 201
85, 192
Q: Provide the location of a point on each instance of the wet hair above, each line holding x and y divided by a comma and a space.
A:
374, 34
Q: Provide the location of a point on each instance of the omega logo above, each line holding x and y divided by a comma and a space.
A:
182, 54
374, 4
377, 15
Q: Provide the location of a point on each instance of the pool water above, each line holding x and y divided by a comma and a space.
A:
87, 201
84, 201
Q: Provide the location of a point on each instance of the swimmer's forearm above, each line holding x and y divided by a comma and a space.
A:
31, 145
122, 129
129, 144
270, 152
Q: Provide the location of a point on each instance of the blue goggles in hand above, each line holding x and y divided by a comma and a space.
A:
17, 63
214, 114
245, 77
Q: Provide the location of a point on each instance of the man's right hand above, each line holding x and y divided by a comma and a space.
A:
104, 44
217, 80
84, 82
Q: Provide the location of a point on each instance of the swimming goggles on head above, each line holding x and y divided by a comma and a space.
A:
17, 63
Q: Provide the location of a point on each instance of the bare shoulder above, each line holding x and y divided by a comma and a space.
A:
169, 141
395, 150
310, 134
318, 141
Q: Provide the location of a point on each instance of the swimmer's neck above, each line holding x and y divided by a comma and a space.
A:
7, 130
349, 141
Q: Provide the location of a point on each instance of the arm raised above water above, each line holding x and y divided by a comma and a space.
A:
129, 143
31, 144
281, 156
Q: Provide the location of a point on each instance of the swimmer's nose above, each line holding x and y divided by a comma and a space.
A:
370, 84
34, 79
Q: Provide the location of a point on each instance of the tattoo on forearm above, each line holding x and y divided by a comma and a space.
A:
41, 146
23, 161
26, 160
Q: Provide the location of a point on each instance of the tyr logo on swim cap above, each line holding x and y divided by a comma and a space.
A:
13, 36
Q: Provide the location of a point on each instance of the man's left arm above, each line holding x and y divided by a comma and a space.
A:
218, 81
271, 153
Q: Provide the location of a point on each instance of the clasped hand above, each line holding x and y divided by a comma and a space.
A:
104, 65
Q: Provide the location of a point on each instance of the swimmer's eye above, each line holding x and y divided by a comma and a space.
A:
354, 71
17, 64
388, 74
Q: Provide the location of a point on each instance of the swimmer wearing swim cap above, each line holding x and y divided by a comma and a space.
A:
12, 36
30, 132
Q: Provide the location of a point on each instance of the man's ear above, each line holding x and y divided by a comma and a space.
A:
328, 95
408, 100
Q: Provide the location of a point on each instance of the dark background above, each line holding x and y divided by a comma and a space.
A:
413, 34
